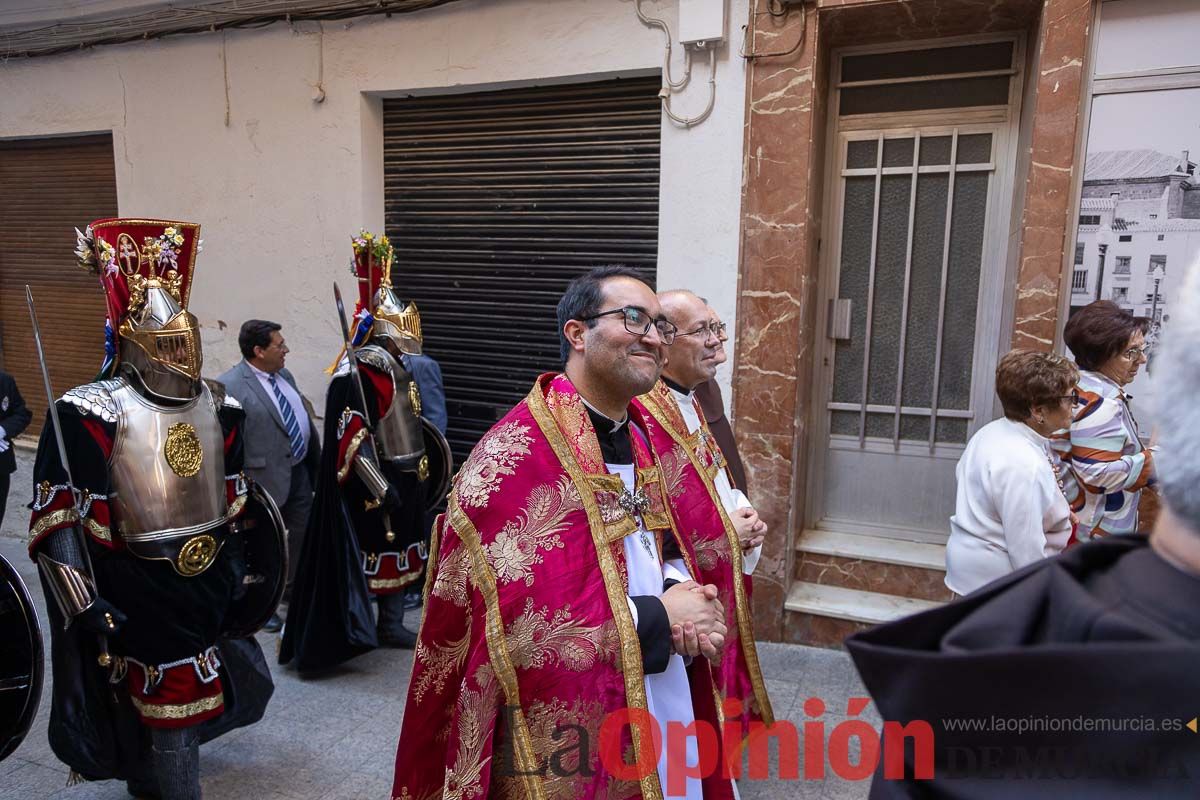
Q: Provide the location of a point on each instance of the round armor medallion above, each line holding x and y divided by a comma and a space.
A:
182, 450
196, 554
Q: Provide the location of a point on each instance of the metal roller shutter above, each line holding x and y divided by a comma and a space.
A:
52, 186
494, 202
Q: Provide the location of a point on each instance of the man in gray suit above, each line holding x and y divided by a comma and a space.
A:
282, 448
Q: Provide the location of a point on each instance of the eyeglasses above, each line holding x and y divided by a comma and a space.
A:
1134, 353
1073, 397
714, 328
638, 322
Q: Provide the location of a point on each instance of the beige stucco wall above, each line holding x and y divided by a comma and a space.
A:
280, 188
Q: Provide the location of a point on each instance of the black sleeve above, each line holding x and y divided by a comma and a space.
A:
670, 549
654, 633
17, 418
232, 421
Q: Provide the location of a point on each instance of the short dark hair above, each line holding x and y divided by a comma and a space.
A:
582, 298
1026, 378
256, 333
1099, 331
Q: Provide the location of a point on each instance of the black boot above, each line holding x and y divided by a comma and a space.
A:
390, 628
176, 754
143, 789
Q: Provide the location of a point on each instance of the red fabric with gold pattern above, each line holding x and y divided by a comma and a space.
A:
176, 695
391, 572
352, 427
527, 637
53, 507
125, 248
690, 463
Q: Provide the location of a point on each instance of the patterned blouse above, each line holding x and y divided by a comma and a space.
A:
1109, 464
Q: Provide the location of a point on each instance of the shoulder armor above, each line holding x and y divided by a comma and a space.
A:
376, 357
219, 395
95, 399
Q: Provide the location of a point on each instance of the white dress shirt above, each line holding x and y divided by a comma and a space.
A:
731, 498
1009, 510
293, 397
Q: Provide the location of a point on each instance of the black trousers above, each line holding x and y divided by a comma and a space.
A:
295, 511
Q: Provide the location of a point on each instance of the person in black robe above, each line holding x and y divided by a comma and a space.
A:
138, 543
1076, 677
365, 539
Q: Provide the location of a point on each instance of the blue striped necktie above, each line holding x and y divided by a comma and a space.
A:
289, 420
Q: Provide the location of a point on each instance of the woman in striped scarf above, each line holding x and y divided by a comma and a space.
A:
1107, 455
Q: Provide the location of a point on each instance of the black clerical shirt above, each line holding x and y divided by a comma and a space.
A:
653, 625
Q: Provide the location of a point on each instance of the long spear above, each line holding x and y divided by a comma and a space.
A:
356, 379
104, 658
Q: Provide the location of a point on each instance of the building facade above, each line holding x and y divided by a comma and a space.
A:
880, 196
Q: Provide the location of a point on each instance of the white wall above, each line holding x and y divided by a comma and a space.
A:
280, 189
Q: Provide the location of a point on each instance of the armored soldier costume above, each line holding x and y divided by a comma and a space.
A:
383, 465
144, 554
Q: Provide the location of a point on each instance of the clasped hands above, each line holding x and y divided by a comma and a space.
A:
751, 530
697, 620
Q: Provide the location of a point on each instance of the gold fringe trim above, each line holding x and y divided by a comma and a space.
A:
653, 404
235, 507
181, 711
351, 452
393, 583
497, 645
631, 651
101, 532
53, 520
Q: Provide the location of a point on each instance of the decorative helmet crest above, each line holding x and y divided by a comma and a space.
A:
393, 318
145, 268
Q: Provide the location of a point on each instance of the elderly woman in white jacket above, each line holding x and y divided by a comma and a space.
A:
1010, 508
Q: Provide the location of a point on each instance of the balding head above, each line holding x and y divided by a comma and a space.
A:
683, 304
693, 358
1176, 370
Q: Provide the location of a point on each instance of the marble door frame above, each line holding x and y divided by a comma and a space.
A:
783, 187
991, 334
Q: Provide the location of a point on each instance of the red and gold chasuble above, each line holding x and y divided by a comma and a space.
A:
527, 643
690, 463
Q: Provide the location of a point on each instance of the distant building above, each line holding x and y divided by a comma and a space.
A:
1144, 206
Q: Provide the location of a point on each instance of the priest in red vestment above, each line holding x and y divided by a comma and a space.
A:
551, 614
722, 526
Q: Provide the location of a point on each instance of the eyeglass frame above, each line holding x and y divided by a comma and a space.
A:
1073, 397
1144, 350
667, 336
713, 328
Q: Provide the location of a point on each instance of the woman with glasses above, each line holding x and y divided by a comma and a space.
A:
1010, 508
1107, 456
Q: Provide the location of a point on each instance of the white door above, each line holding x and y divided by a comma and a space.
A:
913, 276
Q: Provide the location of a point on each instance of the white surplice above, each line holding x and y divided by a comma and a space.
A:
731, 498
668, 696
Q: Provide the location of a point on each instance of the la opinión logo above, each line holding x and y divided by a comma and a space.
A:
736, 751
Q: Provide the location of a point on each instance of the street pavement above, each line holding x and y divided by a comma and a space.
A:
334, 738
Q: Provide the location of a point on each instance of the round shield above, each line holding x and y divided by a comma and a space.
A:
21, 660
264, 543
441, 464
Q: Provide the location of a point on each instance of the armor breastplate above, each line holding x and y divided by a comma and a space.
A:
168, 475
398, 432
